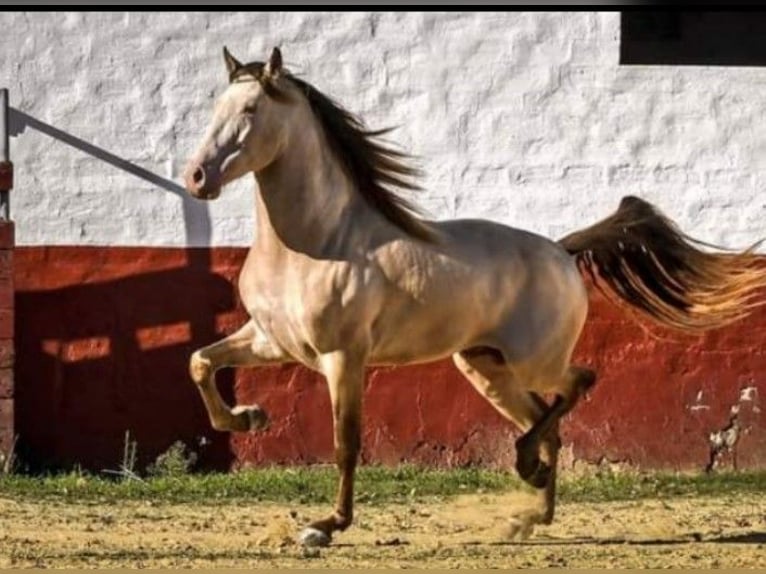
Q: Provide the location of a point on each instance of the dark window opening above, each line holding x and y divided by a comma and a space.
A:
693, 38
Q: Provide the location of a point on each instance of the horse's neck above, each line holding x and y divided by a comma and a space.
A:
306, 203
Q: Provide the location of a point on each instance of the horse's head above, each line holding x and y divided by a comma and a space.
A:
247, 131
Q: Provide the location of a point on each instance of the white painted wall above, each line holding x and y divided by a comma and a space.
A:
523, 118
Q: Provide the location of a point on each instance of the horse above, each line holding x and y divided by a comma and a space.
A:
344, 273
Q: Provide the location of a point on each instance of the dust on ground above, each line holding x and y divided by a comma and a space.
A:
469, 531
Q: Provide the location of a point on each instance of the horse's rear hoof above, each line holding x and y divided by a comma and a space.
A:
313, 537
535, 473
253, 417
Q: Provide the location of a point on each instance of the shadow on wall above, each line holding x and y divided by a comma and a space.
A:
103, 337
196, 215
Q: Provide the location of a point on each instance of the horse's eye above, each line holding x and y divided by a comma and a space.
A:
250, 109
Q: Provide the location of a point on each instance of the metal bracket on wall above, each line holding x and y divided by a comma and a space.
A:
6, 167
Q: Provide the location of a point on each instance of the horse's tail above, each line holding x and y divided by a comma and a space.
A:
643, 258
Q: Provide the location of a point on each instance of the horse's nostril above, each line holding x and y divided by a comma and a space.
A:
199, 175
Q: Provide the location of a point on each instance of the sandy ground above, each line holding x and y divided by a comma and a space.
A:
465, 532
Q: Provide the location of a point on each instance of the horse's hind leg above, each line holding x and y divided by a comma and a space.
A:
574, 384
247, 347
549, 455
491, 376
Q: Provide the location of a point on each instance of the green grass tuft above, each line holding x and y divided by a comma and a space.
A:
374, 485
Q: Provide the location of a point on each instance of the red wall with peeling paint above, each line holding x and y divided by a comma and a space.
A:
103, 337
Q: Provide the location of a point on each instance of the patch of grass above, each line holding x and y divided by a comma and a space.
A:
374, 485
629, 486
300, 485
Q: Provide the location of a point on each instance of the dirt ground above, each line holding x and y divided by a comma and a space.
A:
463, 532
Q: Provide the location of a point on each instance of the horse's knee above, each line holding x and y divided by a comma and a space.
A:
200, 368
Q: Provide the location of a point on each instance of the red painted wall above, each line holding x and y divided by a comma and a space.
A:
103, 337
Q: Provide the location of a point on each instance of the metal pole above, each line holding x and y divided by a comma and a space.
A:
4, 147
6, 167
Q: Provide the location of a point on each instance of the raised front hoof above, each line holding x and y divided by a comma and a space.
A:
250, 418
312, 537
534, 472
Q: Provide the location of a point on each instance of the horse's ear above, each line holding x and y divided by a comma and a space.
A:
274, 65
232, 64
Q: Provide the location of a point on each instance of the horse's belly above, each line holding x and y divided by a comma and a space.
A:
412, 354
426, 334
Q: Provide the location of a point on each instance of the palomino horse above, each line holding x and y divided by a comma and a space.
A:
342, 273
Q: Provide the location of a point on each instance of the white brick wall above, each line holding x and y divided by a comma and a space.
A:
523, 118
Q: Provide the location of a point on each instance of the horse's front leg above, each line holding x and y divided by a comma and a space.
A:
345, 377
248, 347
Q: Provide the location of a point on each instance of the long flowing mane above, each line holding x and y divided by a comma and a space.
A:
376, 169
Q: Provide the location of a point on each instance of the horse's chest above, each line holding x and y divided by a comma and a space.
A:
305, 315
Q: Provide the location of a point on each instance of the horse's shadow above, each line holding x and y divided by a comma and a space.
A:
692, 538
743, 538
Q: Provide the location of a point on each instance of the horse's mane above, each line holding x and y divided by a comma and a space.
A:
375, 168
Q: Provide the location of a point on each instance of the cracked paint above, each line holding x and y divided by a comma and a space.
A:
748, 394
723, 441
698, 405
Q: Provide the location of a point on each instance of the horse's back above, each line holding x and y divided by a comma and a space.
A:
546, 298
487, 245
481, 283
489, 239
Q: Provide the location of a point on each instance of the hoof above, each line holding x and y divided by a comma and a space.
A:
255, 418
313, 538
534, 472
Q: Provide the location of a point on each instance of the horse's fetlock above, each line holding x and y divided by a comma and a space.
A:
343, 521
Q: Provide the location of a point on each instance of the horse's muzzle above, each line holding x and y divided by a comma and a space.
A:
200, 184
